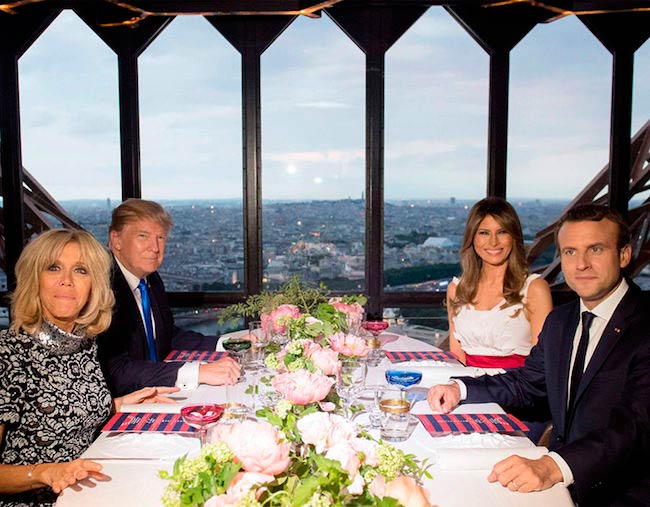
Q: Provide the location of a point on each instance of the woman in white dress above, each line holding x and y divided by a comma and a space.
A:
497, 308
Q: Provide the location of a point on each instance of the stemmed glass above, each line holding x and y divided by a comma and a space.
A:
403, 379
350, 382
376, 327
237, 347
201, 417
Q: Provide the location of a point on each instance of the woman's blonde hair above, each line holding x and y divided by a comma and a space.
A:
41, 252
471, 263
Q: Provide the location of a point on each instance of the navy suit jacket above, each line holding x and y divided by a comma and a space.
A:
606, 440
123, 349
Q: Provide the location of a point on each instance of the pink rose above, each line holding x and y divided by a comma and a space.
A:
302, 387
256, 444
326, 360
279, 318
348, 344
403, 488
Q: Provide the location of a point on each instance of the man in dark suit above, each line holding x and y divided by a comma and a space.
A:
142, 331
594, 371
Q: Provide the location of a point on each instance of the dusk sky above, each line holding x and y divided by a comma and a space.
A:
313, 112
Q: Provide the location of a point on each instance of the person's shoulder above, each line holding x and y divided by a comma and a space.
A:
537, 287
11, 342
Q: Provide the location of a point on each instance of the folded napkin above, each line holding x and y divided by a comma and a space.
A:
443, 424
481, 459
153, 408
208, 356
420, 355
145, 421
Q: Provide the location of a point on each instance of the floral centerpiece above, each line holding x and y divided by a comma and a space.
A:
302, 453
320, 462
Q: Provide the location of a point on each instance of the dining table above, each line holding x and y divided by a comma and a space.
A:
459, 463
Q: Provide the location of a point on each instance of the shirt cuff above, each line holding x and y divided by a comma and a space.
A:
462, 387
188, 375
567, 474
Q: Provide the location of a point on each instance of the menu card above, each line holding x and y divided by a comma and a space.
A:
420, 355
208, 356
442, 424
146, 421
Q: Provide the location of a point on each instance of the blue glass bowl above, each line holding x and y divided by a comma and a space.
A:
404, 378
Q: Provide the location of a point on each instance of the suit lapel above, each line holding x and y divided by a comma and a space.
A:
126, 297
564, 359
613, 332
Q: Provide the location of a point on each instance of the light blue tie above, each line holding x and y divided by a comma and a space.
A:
146, 311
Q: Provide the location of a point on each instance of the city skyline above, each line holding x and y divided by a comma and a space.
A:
313, 112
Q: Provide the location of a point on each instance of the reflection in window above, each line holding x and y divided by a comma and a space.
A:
436, 149
190, 96
313, 157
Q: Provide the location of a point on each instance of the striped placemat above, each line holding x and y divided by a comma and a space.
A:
147, 421
438, 424
209, 356
420, 355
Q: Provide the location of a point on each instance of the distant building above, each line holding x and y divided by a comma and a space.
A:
438, 243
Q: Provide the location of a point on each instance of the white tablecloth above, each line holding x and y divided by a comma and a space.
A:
460, 463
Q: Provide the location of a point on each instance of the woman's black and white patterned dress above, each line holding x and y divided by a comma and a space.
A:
53, 399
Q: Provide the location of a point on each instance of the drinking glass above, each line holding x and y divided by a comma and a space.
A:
375, 327
403, 379
201, 417
350, 382
238, 347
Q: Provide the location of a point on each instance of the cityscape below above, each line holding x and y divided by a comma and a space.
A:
320, 241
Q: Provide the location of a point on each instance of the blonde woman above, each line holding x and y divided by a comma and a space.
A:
497, 308
53, 396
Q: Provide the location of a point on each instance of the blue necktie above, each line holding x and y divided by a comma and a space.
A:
581, 353
146, 311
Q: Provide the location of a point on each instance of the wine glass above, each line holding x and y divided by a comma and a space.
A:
375, 327
403, 379
202, 416
350, 382
237, 347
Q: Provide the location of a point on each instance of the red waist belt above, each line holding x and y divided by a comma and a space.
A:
512, 361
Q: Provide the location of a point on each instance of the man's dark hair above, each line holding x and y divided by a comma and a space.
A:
596, 213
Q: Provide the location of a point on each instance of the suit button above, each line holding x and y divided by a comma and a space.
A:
559, 440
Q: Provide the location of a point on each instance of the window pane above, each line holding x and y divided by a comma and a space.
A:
436, 149
190, 96
313, 82
70, 123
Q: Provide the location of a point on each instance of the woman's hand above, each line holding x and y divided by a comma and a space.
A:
62, 475
146, 395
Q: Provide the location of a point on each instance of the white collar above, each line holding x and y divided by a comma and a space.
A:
606, 308
131, 279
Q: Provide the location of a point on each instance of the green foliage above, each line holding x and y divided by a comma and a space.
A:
293, 292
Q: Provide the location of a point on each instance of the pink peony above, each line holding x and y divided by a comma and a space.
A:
302, 387
403, 488
353, 313
368, 448
279, 318
323, 430
342, 452
326, 360
348, 344
256, 444
240, 485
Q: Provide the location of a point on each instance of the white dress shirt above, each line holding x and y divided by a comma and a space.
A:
188, 374
603, 313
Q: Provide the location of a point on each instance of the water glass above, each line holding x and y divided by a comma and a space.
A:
350, 381
395, 418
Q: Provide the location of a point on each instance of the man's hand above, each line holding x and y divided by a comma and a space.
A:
146, 395
224, 371
525, 475
62, 475
444, 397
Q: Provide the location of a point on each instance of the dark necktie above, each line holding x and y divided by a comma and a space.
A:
146, 312
579, 362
